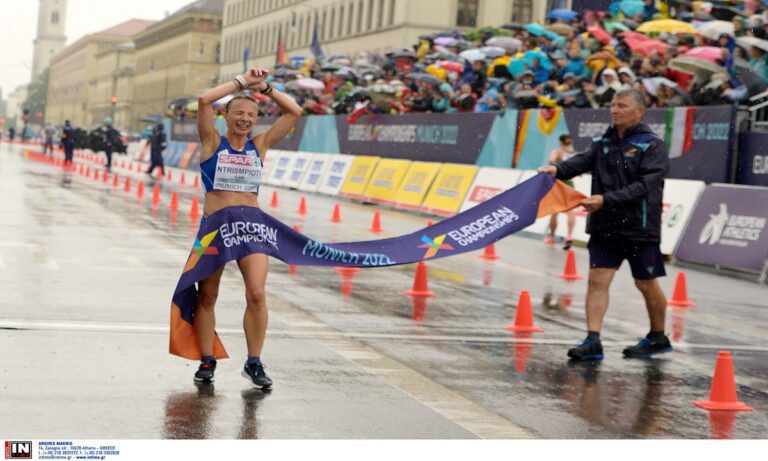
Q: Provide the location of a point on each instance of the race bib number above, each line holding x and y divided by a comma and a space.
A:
238, 173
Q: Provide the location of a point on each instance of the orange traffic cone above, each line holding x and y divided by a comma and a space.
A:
722, 394
130, 166
418, 307
336, 214
116, 180
524, 315
430, 223
88, 172
156, 194
174, 205
302, 206
95, 174
194, 209
490, 252
159, 175
347, 278
680, 294
293, 268
376, 225
169, 177
196, 182
106, 177
420, 283
127, 186
274, 203
569, 272
140, 190
183, 180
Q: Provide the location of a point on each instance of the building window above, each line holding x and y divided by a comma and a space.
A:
54, 17
340, 31
522, 11
332, 23
467, 13
391, 12
359, 16
369, 23
350, 18
323, 24
380, 19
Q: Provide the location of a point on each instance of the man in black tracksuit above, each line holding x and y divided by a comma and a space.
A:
628, 164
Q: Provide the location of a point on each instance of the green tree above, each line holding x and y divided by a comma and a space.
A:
36, 95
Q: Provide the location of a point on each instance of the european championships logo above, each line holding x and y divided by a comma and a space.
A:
200, 248
434, 245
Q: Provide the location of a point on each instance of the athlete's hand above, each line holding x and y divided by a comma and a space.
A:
549, 169
593, 203
255, 76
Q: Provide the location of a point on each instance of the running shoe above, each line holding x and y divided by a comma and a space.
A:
568, 244
648, 347
205, 372
549, 240
588, 350
255, 373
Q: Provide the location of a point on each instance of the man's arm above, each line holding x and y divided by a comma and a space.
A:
578, 164
651, 173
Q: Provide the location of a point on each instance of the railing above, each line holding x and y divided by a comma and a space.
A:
758, 112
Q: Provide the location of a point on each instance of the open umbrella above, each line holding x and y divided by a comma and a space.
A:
713, 29
505, 42
512, 26
535, 29
631, 7
562, 14
642, 44
707, 53
667, 25
330, 67
445, 41
747, 42
694, 66
611, 26
630, 23
346, 72
473, 54
493, 51
404, 54
424, 77
652, 84
310, 84
561, 29
452, 66
725, 13
600, 35
746, 73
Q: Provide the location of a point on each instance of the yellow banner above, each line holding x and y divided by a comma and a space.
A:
447, 192
414, 187
383, 186
359, 175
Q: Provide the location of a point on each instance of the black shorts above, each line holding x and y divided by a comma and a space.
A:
645, 258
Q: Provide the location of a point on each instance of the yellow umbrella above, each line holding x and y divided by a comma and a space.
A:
667, 25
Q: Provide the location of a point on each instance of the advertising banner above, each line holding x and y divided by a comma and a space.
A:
753, 159
490, 182
728, 228
318, 167
386, 180
454, 138
680, 197
362, 169
449, 189
338, 170
279, 171
698, 138
269, 161
410, 195
297, 168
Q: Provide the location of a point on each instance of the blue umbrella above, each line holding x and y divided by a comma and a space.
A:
631, 7
562, 14
517, 66
535, 29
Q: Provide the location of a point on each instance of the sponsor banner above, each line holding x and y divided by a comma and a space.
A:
318, 167
269, 161
450, 138
338, 170
698, 138
386, 181
729, 228
235, 232
359, 174
414, 187
297, 169
538, 131
449, 189
680, 197
489, 183
753, 159
279, 170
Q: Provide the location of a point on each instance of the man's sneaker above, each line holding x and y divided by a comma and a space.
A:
568, 244
549, 240
205, 372
587, 350
255, 374
648, 347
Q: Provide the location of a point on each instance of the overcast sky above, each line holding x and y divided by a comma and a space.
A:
18, 26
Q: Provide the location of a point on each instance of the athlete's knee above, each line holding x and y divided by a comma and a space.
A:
645, 285
256, 298
207, 299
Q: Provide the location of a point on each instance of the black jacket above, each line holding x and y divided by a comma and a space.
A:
629, 174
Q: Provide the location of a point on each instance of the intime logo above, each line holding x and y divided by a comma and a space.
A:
18, 449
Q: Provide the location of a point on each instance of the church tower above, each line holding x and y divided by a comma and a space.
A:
51, 21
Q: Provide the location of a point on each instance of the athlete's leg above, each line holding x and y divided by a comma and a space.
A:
204, 317
254, 268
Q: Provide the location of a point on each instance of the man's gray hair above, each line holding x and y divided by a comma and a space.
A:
633, 93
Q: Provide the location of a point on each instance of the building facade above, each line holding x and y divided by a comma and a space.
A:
73, 86
111, 95
177, 57
51, 22
253, 28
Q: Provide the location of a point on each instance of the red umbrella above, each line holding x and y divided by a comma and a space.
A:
600, 34
641, 44
452, 66
707, 53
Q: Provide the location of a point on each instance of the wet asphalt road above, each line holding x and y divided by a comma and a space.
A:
87, 272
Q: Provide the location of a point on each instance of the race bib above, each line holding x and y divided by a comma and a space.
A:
237, 172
